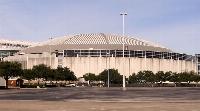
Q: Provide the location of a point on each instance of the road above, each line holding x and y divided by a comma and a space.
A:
99, 99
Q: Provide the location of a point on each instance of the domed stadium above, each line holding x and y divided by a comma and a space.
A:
93, 53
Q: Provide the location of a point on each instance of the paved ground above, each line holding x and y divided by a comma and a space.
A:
100, 99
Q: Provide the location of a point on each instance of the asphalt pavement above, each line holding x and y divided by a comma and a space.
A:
101, 99
103, 94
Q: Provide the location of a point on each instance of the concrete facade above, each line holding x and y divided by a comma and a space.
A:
82, 65
2, 82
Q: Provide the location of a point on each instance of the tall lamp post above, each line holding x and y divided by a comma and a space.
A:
108, 55
123, 31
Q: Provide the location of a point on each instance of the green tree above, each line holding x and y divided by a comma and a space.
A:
10, 69
59, 74
69, 75
65, 74
149, 76
174, 78
162, 77
114, 76
195, 77
141, 77
28, 75
52, 75
133, 78
90, 77
41, 71
168, 75
146, 76
185, 77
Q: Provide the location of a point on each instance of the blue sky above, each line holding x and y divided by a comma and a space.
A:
172, 23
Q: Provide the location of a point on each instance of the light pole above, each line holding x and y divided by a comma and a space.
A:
108, 55
123, 15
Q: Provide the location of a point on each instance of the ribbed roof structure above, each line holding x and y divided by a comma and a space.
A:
96, 41
13, 44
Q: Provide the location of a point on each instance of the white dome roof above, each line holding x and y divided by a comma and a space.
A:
98, 41
99, 38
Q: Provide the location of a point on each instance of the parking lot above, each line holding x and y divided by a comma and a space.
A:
88, 98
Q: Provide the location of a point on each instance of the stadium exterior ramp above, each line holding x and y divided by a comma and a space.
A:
92, 53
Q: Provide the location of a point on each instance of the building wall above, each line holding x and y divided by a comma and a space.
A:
198, 62
82, 65
2, 82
